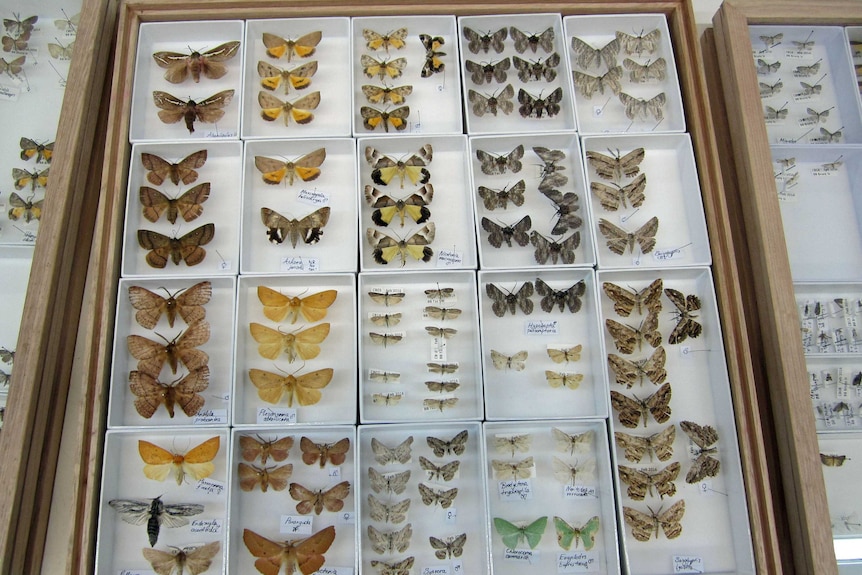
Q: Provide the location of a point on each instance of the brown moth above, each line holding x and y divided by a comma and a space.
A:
186, 248
187, 303
303, 47
442, 386
251, 476
390, 541
510, 300
589, 56
685, 306
833, 460
388, 513
614, 167
445, 472
497, 234
627, 300
641, 482
443, 498
188, 204
513, 469
150, 393
638, 72
588, 85
306, 168
563, 250
389, 483
300, 109
612, 197
639, 43
317, 500
277, 449
192, 560
299, 78
569, 297
448, 547
208, 63
618, 239
455, 446
635, 446
645, 525
626, 337
642, 109
630, 372
159, 169
705, 436
439, 404
309, 228
631, 410
152, 355
323, 453
206, 111
402, 567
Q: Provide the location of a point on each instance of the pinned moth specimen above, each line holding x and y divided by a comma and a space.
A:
26, 210
628, 300
393, 39
586, 533
533, 41
635, 446
439, 404
16, 44
833, 459
533, 106
180, 66
382, 94
656, 70
504, 470
615, 166
498, 234
569, 297
570, 474
477, 41
441, 332
159, 169
513, 443
445, 472
551, 176
771, 41
150, 393
564, 250
277, 449
513, 535
557, 379
448, 547
152, 355
372, 118
17, 26
302, 344
630, 410
309, 229
188, 204
816, 116
442, 386
386, 320
207, 111
705, 465
390, 541
618, 239
612, 197
443, 498
317, 500
43, 152
155, 513
493, 199
196, 462
34, 179
574, 443
382, 68
628, 372
306, 168
279, 307
386, 398
387, 248
7, 355
639, 43
300, 109
186, 302
626, 337
413, 168
510, 300
485, 72
641, 482
402, 567
321, 453
305, 388
830, 137
302, 47
492, 164
384, 454
388, 513
389, 483
299, 78
454, 446
685, 305
386, 207
13, 67
492, 103
386, 297
433, 62
192, 560
645, 525
302, 555
588, 85
589, 56
566, 206
441, 313
565, 354
767, 89
537, 70
764, 68
251, 476
442, 367
776, 114
515, 362
807, 70
641, 108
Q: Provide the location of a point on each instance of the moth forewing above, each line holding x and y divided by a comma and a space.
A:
644, 525
618, 240
635, 447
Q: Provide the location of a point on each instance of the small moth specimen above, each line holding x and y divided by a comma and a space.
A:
499, 164
518, 231
433, 57
302, 47
299, 78
656, 70
510, 300
386, 207
588, 85
627, 300
192, 560
570, 474
150, 393
618, 239
492, 103
454, 446
197, 462
384, 168
383, 69
705, 436
533, 106
180, 66
387, 248
277, 449
516, 362
443, 498
513, 443
513, 469
615, 166
512, 535
686, 305
390, 541
300, 110
323, 453
159, 169
155, 514
567, 354
477, 41
635, 446
448, 547
626, 337
574, 443
279, 307
207, 111
551, 176
640, 482
522, 40
393, 39
251, 476
317, 500
306, 168
384, 454
639, 43
388, 513
645, 525
587, 533
642, 109
537, 70
563, 250
302, 344
303, 555
589, 56
629, 372
485, 72
389, 483
631, 410
152, 355
445, 472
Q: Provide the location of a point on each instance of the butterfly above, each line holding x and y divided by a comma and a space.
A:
387, 248
441, 332
150, 393
301, 344
387, 297
183, 171
277, 306
251, 476
68, 24
387, 320
536, 106
187, 302
705, 465
439, 404
306, 168
627, 337
773, 114
304, 555
588, 56
611, 198
645, 525
389, 483
305, 388
628, 372
384, 454
454, 446
413, 168
833, 460
392, 513
627, 300
299, 78
13, 67
320, 453
441, 313
512, 534
569, 474
186, 248
550, 170
192, 560
566, 205
656, 70
207, 111
517, 361
587, 533
685, 306
449, 547
563, 250
511, 299
570, 297
308, 228
251, 448
532, 41
300, 109
208, 63
493, 199
498, 164
31, 149
188, 205
372, 117
764, 69
635, 447
445, 472
16, 26
498, 101
565, 354
572, 443
34, 179
640, 482
588, 85
618, 239
196, 462
27, 210
830, 137
442, 367
485, 72
302, 47
639, 108
155, 513
771, 41
152, 355
513, 470
375, 41
640, 43
18, 43
506, 233
431, 496
382, 94
390, 541
400, 568
317, 500
538, 69
382, 68
477, 41
631, 410
614, 167
767, 90
818, 116
433, 64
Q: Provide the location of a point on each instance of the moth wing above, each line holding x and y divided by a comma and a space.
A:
625, 371
642, 524
703, 435
662, 443
271, 342
624, 336
645, 235
177, 65
670, 520
300, 109
628, 410
638, 482
307, 340
189, 203
271, 386
149, 306
659, 403
704, 466
158, 461
132, 511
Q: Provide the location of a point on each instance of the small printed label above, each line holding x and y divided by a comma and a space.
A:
28, 237
9, 93
300, 264
685, 351
296, 524
210, 416
436, 570
327, 570
206, 525
450, 516
822, 171
797, 54
515, 489
438, 349
579, 491
520, 555
335, 474
416, 127
687, 564
577, 562
210, 486
805, 97
346, 518
276, 415
313, 197
449, 258
542, 327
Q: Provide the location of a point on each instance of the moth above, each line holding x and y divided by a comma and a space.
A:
807, 70
393, 39
387, 248
776, 114
442, 386
513, 443
511, 300
150, 393
685, 305
611, 198
641, 482
321, 453
771, 41
278, 307
385, 376
433, 63
567, 354
60, 51
803, 44
536, 106
392, 513
646, 525
628, 300
305, 388
537, 70
382, 68
442, 367
498, 234
33, 149
493, 199
513, 470
441, 332
300, 109
767, 89
445, 472
7, 355
764, 68
485, 72
309, 229
34, 179
196, 462
588, 85
386, 398
17, 43
28, 210
477, 41
516, 361
492, 164
589, 56
387, 320
155, 514
372, 118
302, 47
159, 169
317, 500
303, 555
639, 73
440, 294
492, 103
387, 297
550, 170
640, 108
832, 459
384, 455
441, 313
402, 567
513, 535
586, 533
640, 43
390, 541
615, 166
566, 206
251, 476
439, 404
630, 410
564, 250
570, 297
443, 498
448, 547
299, 78
705, 437
628, 373
192, 560
818, 116
13, 67
626, 337
188, 204
277, 449
152, 355
186, 248
306, 168
532, 41
207, 111
570, 474
830, 137
384, 168
302, 344
382, 94
635, 446
574, 443
454, 446
617, 239
210, 63
389, 483
18, 26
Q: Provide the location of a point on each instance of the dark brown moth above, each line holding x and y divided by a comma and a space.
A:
686, 325
206, 111
180, 66
186, 248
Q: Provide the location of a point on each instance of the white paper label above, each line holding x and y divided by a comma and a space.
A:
210, 486
687, 564
300, 264
345, 518
313, 197
9, 93
436, 570
136, 572
275, 415
515, 489
542, 327
328, 570
438, 349
520, 555
579, 491
449, 258
224, 265
450, 516
577, 562
295, 524
210, 416
206, 526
